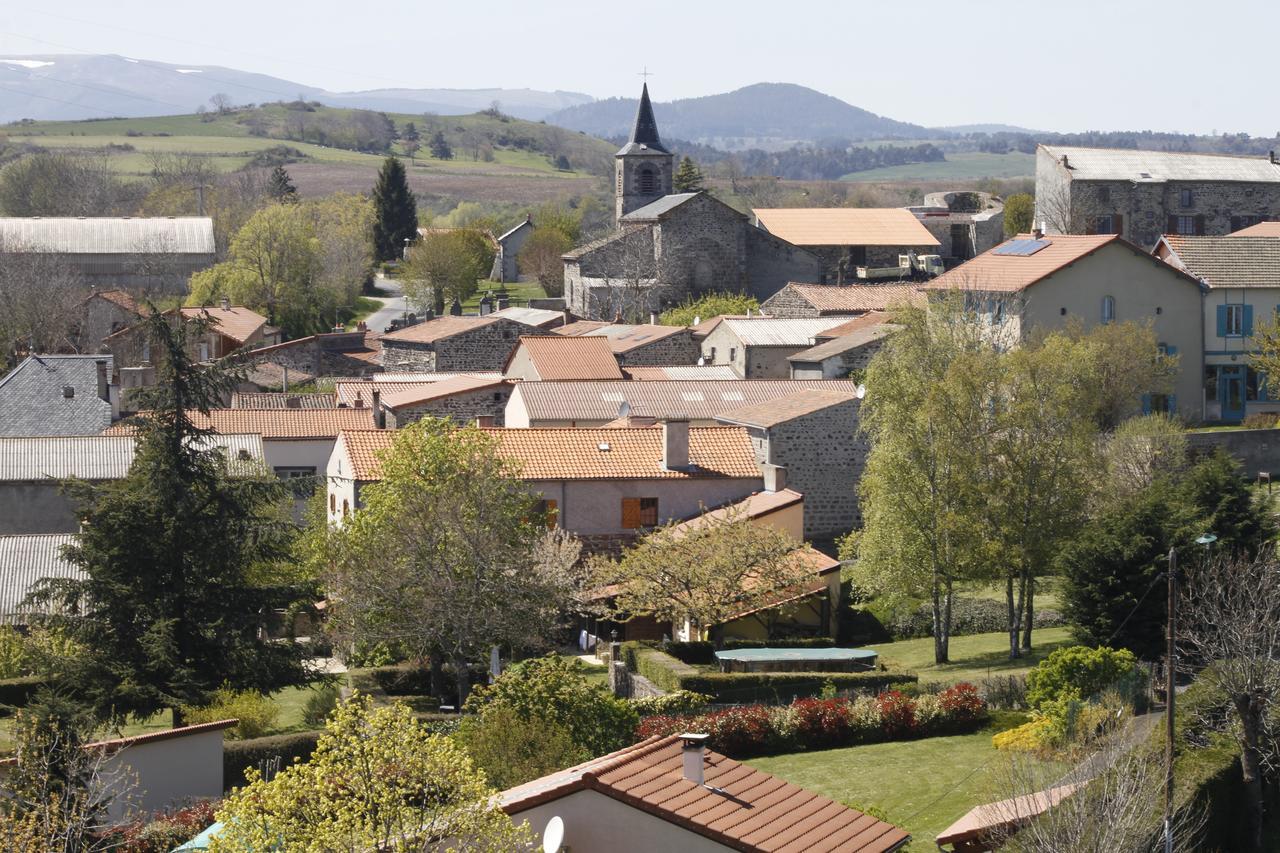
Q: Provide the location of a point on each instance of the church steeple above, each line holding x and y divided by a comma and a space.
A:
644, 166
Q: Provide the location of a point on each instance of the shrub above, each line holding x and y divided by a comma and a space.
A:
929, 716
238, 756
256, 713
822, 723
164, 831
678, 702
404, 680
740, 732
962, 703
864, 719
320, 704
708, 306
1007, 692
372, 655
40, 652
694, 652
17, 692
1079, 669
791, 643
897, 714
512, 750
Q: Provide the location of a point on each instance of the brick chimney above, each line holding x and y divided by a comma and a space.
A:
695, 756
379, 415
675, 443
775, 477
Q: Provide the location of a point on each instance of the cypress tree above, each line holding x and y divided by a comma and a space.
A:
395, 212
279, 187
688, 177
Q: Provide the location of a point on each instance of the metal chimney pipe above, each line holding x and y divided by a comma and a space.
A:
695, 754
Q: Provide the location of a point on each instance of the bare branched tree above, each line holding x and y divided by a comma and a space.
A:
1064, 208
39, 299
1229, 620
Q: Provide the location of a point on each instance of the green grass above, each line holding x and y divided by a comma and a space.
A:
967, 165
973, 657
922, 785
520, 292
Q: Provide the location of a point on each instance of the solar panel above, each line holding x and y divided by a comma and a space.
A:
1021, 248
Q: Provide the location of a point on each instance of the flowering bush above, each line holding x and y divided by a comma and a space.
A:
897, 714
675, 702
821, 723
962, 703
164, 831
743, 731
928, 713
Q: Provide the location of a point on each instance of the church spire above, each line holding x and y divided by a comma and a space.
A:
645, 131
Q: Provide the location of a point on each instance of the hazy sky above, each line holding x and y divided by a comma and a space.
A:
1057, 65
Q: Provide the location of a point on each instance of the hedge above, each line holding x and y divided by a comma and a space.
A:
17, 692
239, 755
670, 674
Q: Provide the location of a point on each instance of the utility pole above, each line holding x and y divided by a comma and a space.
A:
199, 188
1168, 702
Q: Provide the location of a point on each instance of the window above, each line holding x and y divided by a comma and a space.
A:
333, 503
549, 510
639, 512
1108, 309
1211, 383
204, 351
1161, 404
1187, 225
649, 512
1104, 224
1104, 194
646, 181
1234, 325
713, 355
1185, 198
146, 350
305, 476
733, 354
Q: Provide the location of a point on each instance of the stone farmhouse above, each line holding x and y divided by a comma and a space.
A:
1042, 281
965, 223
672, 793
644, 345
846, 238
798, 300
103, 313
758, 347
138, 254
844, 349
354, 353
668, 247
1242, 274
231, 328
505, 267
454, 344
59, 395
1141, 195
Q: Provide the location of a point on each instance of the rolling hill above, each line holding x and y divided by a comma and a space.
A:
71, 86
765, 115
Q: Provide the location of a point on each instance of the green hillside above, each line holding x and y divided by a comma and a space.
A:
959, 166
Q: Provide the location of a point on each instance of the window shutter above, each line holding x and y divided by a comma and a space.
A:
1222, 321
1146, 404
1171, 227
1235, 223
1248, 321
630, 513
1117, 222
553, 514
1173, 404
1199, 224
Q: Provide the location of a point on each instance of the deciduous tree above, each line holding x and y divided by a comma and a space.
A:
540, 256
1019, 210
447, 265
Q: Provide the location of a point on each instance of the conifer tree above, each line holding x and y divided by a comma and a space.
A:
410, 139
279, 187
440, 148
395, 211
688, 177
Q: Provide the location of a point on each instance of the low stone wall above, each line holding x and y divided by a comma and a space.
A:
1257, 450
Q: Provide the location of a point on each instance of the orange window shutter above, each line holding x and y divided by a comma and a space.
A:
630, 513
552, 513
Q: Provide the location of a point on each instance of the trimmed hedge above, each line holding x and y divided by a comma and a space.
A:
671, 674
17, 692
239, 755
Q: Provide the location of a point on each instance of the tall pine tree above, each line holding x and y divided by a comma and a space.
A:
280, 188
440, 148
688, 177
179, 558
395, 211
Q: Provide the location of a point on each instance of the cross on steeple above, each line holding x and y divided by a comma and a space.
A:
646, 74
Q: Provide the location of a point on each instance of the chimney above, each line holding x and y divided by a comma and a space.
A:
1063, 159
653, 318
775, 477
379, 416
568, 318
484, 421
104, 386
284, 381
675, 443
1272, 156
1036, 233
225, 302
695, 756
359, 401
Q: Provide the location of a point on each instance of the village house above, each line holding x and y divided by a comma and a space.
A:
1242, 274
550, 357
605, 486
454, 344
465, 399
353, 353
965, 223
103, 313
1140, 195
843, 350
136, 253
25, 560
643, 345
358, 393
33, 470
595, 404
672, 793
1042, 281
797, 300
541, 318
811, 439
669, 247
845, 238
758, 347
231, 328
59, 395
505, 266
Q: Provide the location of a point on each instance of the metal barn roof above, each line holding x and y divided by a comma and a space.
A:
108, 235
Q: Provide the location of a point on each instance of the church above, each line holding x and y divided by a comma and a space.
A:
668, 246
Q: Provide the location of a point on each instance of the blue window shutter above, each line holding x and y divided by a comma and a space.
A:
1170, 350
1173, 404
1248, 320
1222, 321
1146, 404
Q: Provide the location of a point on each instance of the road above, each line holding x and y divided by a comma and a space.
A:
392, 307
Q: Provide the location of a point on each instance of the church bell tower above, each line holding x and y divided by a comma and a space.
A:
644, 166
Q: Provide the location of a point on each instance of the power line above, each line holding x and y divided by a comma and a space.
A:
116, 92
49, 98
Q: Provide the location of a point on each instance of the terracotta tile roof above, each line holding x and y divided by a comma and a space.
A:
986, 820
278, 424
121, 298
1228, 261
770, 413
738, 806
281, 400
856, 298
430, 331
577, 454
1262, 229
349, 391
237, 322
845, 343
865, 321
580, 327
558, 357
845, 226
425, 391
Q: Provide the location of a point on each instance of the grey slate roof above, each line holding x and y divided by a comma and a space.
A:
1122, 164
657, 209
1230, 261
33, 401
24, 560
101, 457
108, 235
644, 134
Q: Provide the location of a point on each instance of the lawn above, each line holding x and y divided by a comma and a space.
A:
973, 657
922, 786
520, 292
967, 165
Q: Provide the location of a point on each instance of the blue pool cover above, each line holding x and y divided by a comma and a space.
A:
754, 655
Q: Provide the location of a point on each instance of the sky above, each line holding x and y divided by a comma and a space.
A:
1064, 66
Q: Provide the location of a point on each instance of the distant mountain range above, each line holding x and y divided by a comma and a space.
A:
765, 115
79, 86
987, 128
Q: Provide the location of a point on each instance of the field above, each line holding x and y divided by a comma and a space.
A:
974, 657
969, 165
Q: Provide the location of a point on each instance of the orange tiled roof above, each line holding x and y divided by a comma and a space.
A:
424, 391
845, 226
1262, 229
1011, 273
738, 806
562, 357
275, 424
579, 327
237, 322
121, 298
430, 331
835, 299
770, 413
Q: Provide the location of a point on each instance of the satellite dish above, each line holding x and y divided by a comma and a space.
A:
553, 835
860, 391
624, 410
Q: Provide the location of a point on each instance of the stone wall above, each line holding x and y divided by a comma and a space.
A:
678, 349
463, 408
772, 262
408, 357
484, 348
1255, 449
789, 304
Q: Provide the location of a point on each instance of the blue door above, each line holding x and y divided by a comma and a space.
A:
1231, 393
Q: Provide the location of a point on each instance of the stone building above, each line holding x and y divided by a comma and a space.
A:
813, 436
59, 395
843, 351
824, 300
353, 354
454, 344
231, 328
846, 238
965, 223
1143, 194
146, 254
465, 399
103, 313
505, 267
758, 347
642, 345
669, 247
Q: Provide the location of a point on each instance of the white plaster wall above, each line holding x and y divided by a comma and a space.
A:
596, 823
595, 506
